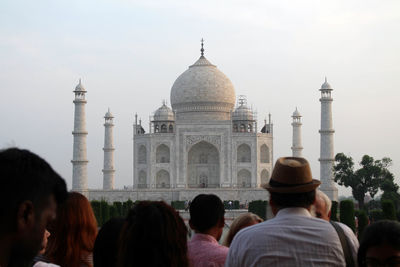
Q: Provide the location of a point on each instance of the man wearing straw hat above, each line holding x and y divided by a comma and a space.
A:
293, 237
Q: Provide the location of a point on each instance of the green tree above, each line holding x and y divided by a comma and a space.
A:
366, 180
362, 223
334, 211
390, 191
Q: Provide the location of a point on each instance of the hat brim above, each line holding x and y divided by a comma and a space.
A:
293, 189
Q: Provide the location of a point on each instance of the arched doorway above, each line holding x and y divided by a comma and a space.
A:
162, 179
203, 165
244, 178
264, 176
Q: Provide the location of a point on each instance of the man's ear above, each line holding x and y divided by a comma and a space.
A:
274, 208
25, 215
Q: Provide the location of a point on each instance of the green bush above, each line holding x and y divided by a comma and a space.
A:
118, 206
362, 222
259, 207
388, 209
126, 206
334, 211
347, 214
97, 211
376, 215
105, 212
178, 204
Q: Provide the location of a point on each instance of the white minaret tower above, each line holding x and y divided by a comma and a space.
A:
79, 160
327, 157
108, 169
296, 143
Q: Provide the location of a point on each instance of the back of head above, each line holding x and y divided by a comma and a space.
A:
153, 235
26, 176
73, 233
293, 200
380, 233
242, 221
105, 252
206, 211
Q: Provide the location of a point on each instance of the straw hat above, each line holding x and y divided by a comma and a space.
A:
291, 175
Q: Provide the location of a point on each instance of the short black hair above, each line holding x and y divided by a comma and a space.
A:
377, 234
286, 200
206, 211
26, 176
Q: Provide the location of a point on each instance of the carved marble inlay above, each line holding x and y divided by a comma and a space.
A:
194, 139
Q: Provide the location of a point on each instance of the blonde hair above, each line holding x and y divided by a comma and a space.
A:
242, 221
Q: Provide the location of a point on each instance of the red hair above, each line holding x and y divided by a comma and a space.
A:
73, 233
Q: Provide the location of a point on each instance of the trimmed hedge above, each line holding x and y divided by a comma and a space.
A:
178, 205
259, 207
103, 211
362, 222
334, 211
347, 214
388, 209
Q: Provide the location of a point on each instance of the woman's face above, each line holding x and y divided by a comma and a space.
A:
383, 255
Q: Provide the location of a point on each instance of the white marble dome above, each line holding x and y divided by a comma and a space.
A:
326, 85
296, 113
164, 113
203, 89
242, 113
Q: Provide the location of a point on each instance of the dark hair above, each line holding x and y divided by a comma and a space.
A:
153, 235
73, 232
285, 200
377, 234
26, 176
105, 252
206, 211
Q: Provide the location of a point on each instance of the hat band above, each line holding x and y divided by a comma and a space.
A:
274, 183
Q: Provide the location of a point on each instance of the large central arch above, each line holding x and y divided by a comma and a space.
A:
203, 165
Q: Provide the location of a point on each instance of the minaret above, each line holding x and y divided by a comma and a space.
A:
327, 154
296, 140
108, 169
79, 160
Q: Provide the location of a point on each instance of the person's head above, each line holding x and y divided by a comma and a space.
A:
322, 206
105, 252
73, 232
242, 221
153, 235
207, 215
291, 184
380, 244
30, 190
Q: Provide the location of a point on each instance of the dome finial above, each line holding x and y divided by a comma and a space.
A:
326, 80
202, 47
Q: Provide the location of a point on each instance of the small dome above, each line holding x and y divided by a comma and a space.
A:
80, 87
164, 113
242, 112
109, 114
326, 85
296, 113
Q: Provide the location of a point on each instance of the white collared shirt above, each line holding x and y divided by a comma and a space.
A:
292, 238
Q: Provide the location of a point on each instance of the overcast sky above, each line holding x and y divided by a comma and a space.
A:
129, 53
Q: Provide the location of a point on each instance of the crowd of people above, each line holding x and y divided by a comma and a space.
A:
44, 225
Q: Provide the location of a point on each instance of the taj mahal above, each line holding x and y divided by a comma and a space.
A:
207, 141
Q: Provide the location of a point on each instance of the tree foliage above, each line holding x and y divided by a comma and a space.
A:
365, 180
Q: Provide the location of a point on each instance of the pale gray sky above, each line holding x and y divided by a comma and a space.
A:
129, 53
